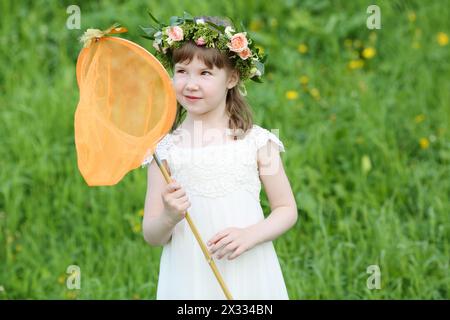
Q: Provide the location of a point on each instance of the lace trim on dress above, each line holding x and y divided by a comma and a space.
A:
262, 136
162, 149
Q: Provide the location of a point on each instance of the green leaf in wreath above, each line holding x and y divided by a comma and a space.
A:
257, 79
154, 19
243, 28
149, 30
188, 17
264, 58
174, 21
216, 27
148, 37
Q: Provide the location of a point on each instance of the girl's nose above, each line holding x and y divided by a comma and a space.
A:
191, 84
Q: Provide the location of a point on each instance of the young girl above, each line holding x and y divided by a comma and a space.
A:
217, 159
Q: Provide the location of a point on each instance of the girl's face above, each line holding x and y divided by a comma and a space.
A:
200, 89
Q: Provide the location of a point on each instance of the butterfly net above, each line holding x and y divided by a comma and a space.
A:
127, 104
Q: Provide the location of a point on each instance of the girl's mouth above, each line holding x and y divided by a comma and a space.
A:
190, 98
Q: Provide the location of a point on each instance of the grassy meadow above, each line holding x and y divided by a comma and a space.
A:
364, 116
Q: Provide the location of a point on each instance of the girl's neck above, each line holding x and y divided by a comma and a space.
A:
198, 134
202, 125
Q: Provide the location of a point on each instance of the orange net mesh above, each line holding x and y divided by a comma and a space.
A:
127, 104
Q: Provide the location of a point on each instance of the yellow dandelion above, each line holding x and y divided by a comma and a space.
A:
411, 16
442, 39
261, 49
291, 95
137, 228
314, 92
369, 53
61, 279
356, 64
366, 164
303, 80
141, 213
424, 143
302, 48
419, 118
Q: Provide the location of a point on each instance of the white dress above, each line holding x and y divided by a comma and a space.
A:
222, 183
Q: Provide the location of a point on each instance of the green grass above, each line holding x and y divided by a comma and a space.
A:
394, 214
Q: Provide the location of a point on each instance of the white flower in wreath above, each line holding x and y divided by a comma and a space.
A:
228, 31
156, 45
254, 72
158, 38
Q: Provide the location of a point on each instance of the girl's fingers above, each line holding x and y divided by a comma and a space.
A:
217, 237
179, 194
170, 190
187, 204
220, 245
235, 254
225, 250
172, 186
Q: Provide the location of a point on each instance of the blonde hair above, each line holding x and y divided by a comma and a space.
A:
237, 108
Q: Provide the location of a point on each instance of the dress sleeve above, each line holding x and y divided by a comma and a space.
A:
162, 149
262, 136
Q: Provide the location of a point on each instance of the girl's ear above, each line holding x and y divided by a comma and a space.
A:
233, 79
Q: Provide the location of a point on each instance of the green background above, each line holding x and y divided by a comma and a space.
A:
367, 143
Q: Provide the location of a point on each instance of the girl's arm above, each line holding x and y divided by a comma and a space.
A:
235, 241
279, 193
165, 206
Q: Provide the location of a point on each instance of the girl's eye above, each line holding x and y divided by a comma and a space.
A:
181, 71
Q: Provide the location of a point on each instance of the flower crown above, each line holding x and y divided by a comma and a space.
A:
247, 57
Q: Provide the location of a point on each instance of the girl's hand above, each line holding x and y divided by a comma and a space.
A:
175, 202
232, 242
